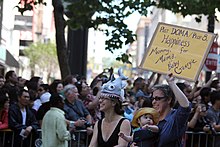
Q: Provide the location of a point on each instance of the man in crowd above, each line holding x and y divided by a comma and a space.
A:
213, 114
76, 111
22, 120
10, 86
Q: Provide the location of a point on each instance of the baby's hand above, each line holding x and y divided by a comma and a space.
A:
121, 134
145, 127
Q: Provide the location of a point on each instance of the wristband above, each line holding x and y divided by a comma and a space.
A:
72, 124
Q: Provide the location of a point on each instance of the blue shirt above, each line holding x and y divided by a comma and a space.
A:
75, 111
173, 127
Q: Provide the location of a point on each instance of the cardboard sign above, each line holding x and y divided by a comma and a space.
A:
178, 50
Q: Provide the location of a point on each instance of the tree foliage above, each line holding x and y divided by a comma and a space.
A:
191, 7
110, 15
28, 5
42, 55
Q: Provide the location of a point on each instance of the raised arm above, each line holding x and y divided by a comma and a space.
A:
180, 96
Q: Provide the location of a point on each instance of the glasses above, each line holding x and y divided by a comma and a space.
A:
157, 98
26, 97
40, 90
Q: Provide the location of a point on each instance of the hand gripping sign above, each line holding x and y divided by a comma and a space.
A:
178, 50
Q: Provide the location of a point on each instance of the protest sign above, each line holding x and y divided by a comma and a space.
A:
178, 50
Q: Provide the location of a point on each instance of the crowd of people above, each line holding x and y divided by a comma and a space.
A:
110, 111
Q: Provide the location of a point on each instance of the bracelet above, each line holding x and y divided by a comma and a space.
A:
72, 123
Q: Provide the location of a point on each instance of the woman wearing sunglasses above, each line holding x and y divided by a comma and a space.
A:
172, 122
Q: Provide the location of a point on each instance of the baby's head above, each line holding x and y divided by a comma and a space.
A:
145, 116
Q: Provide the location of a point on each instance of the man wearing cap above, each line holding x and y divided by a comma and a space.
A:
142, 99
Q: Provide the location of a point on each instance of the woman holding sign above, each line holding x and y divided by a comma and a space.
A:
172, 123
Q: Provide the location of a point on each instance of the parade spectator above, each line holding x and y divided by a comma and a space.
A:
54, 126
106, 130
21, 82
205, 93
101, 77
128, 110
10, 86
38, 80
4, 113
141, 97
4, 137
215, 84
146, 131
90, 101
43, 89
2, 81
186, 89
44, 101
138, 84
22, 121
213, 114
56, 87
2, 92
32, 86
172, 123
43, 96
77, 112
198, 122
70, 79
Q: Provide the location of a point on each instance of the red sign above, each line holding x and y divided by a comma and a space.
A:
212, 59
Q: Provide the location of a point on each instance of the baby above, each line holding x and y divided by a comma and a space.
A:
146, 132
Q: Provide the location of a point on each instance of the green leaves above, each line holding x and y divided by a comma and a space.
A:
42, 55
190, 7
110, 13
28, 5
124, 58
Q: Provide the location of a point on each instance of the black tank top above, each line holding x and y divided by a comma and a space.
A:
113, 139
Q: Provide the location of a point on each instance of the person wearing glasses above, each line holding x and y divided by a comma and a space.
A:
107, 129
172, 122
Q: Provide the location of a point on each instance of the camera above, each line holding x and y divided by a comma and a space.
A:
208, 123
87, 124
212, 130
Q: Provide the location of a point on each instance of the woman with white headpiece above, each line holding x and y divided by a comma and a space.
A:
106, 130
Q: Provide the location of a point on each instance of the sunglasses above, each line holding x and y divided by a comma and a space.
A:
40, 90
157, 98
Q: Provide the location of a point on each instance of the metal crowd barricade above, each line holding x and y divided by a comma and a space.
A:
3, 133
9, 132
208, 136
78, 139
38, 142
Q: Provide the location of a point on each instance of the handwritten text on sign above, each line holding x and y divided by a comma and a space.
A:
178, 50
